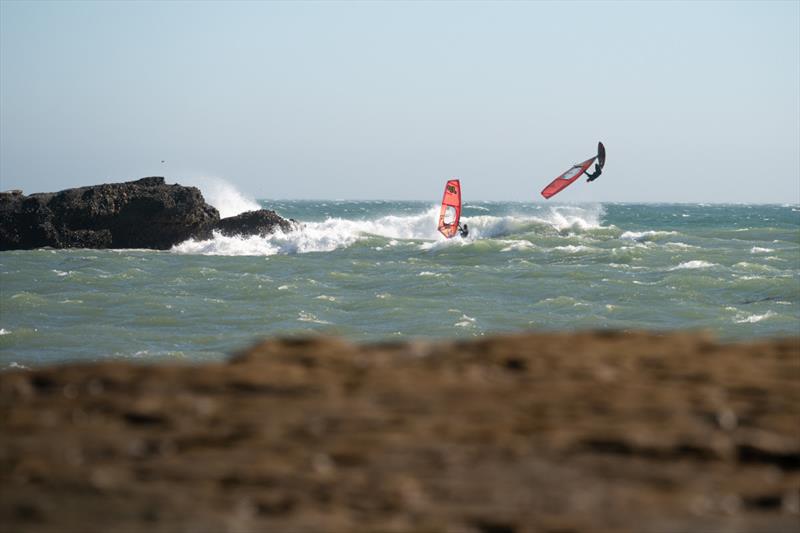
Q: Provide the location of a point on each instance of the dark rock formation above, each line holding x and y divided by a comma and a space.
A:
261, 222
145, 213
589, 432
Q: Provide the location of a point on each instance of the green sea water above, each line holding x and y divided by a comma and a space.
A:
380, 271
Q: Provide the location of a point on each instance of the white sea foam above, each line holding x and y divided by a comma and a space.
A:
752, 319
4, 331
14, 364
303, 316
757, 267
225, 245
513, 245
325, 236
693, 265
641, 236
636, 246
573, 249
560, 218
163, 353
442, 243
224, 196
758, 250
465, 322
578, 217
680, 245
337, 233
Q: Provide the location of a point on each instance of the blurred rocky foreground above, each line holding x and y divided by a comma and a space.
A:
541, 432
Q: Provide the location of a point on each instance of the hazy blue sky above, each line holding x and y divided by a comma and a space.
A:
695, 101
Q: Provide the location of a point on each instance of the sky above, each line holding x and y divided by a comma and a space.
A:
694, 101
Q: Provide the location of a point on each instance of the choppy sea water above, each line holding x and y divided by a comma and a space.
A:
379, 270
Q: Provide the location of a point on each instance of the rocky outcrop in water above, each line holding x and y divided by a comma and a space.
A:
261, 222
146, 213
590, 432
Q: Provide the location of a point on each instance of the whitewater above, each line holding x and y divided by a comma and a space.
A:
379, 270
337, 232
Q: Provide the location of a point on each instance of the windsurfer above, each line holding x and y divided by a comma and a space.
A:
463, 230
597, 171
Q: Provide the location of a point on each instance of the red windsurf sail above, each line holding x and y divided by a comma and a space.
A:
566, 179
451, 209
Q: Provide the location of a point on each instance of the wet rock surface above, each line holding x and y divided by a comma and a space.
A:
261, 222
546, 432
146, 213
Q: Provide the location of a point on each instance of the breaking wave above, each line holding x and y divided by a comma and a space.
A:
642, 236
752, 319
337, 233
689, 265
224, 196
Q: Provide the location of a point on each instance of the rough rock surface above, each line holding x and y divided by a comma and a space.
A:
559, 432
145, 213
261, 222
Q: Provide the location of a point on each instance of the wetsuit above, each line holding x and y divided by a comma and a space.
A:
597, 172
462, 230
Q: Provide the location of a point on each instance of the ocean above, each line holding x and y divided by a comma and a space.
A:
379, 270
